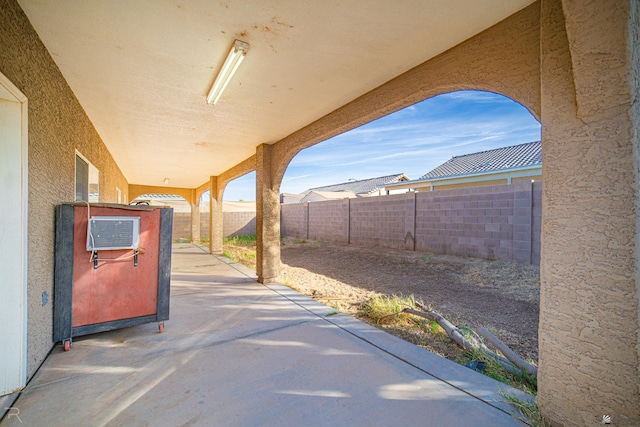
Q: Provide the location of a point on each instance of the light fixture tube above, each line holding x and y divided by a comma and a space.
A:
231, 64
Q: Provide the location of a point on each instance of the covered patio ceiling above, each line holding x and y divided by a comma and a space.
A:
142, 69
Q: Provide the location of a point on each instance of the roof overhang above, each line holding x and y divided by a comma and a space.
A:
142, 70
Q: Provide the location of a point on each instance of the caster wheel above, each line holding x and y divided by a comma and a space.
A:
161, 327
67, 345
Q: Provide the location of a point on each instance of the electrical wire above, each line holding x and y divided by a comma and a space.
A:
93, 243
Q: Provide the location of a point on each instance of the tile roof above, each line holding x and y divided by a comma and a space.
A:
513, 157
365, 186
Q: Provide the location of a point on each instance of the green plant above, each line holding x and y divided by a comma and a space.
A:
388, 309
244, 239
227, 254
434, 328
428, 257
494, 370
528, 409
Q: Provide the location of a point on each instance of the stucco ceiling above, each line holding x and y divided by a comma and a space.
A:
142, 69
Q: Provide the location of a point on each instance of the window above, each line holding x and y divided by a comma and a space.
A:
118, 196
87, 180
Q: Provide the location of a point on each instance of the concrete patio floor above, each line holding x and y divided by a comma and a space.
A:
238, 353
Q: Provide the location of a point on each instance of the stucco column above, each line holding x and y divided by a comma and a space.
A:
589, 302
195, 222
215, 217
267, 217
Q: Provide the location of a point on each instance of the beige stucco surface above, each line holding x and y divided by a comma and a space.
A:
267, 215
58, 126
589, 272
574, 64
503, 59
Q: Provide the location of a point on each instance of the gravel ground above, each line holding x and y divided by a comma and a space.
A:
498, 295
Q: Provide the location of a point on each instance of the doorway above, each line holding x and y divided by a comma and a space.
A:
13, 245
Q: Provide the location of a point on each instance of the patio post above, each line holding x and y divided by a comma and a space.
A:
267, 216
215, 217
195, 218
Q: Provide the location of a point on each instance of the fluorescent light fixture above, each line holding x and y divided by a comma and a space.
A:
231, 64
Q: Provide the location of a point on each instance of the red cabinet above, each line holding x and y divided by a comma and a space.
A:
115, 273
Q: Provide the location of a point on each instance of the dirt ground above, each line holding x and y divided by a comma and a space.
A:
501, 296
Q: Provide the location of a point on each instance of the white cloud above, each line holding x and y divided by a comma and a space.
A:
413, 141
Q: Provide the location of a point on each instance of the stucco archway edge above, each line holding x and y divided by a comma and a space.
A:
138, 190
504, 59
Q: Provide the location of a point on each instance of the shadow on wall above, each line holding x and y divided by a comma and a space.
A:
238, 223
234, 223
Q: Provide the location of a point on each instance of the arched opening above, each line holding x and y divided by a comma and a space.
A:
239, 206
414, 140
241, 189
204, 208
401, 244
182, 226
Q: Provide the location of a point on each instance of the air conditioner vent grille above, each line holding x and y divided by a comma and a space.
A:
113, 232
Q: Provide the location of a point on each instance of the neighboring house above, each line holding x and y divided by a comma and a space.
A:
286, 198
346, 190
320, 196
492, 167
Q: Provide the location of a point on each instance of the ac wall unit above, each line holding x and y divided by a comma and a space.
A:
113, 232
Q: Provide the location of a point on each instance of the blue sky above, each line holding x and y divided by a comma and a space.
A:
412, 141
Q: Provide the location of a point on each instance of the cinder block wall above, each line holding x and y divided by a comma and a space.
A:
378, 221
293, 220
205, 230
496, 222
484, 222
238, 223
233, 223
536, 231
329, 220
181, 225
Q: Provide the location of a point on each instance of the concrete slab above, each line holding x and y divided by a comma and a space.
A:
238, 353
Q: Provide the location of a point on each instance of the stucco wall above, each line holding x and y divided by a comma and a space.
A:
57, 127
589, 269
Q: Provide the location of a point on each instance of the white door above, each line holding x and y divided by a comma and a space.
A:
13, 211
